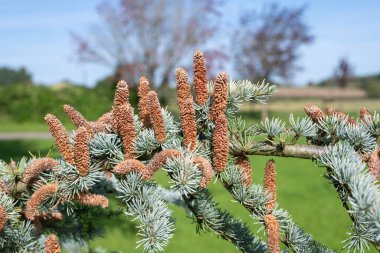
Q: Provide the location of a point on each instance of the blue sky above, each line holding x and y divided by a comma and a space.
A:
35, 34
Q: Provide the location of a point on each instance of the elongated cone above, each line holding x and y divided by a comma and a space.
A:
273, 232
204, 165
37, 198
121, 98
159, 159
89, 199
103, 124
129, 165
105, 119
183, 87
244, 165
61, 138
3, 217
365, 116
220, 144
121, 94
189, 127
126, 128
219, 98
75, 116
142, 92
373, 164
36, 167
156, 117
270, 184
200, 78
52, 244
331, 111
82, 152
314, 112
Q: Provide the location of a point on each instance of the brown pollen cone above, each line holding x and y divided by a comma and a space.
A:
121, 94
3, 217
129, 165
331, 111
142, 92
314, 112
200, 78
103, 124
183, 86
159, 159
365, 115
37, 198
189, 127
244, 165
270, 184
373, 164
219, 98
273, 232
36, 167
75, 116
89, 199
82, 152
96, 127
61, 138
126, 128
52, 244
205, 167
156, 117
121, 98
105, 119
220, 144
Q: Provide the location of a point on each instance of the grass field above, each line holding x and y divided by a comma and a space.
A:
309, 198
10, 126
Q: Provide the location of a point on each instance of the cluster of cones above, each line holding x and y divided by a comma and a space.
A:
371, 159
120, 120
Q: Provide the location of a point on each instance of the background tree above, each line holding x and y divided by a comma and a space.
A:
269, 42
10, 76
343, 72
138, 36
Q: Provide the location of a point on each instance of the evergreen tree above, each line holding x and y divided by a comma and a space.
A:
43, 200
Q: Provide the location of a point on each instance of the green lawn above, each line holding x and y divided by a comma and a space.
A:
11, 126
309, 198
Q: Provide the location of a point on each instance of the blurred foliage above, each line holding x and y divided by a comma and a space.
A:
370, 83
10, 76
31, 103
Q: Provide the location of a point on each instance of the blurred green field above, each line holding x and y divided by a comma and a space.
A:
302, 190
7, 126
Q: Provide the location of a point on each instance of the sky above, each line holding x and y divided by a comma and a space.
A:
36, 34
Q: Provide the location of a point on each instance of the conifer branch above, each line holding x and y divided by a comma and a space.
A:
303, 151
120, 152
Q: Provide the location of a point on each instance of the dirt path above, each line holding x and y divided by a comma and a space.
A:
24, 136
